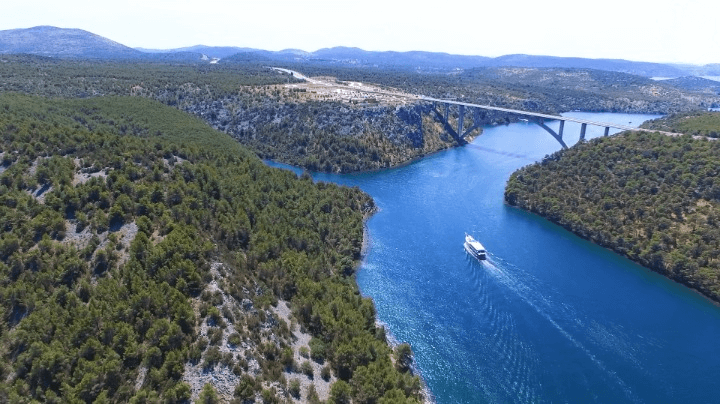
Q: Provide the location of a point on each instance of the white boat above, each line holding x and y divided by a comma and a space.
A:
474, 248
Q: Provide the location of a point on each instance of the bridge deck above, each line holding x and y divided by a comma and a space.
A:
533, 114
487, 107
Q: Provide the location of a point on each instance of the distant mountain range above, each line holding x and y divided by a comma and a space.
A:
62, 43
210, 51
76, 43
646, 69
694, 83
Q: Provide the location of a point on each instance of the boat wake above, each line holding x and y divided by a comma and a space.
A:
520, 358
514, 366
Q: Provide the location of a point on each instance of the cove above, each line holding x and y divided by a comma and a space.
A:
549, 317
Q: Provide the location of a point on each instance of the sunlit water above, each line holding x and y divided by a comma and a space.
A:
549, 317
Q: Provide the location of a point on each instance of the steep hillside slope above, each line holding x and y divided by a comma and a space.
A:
327, 131
146, 257
245, 101
697, 124
652, 198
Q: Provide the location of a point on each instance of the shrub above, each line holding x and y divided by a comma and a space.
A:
317, 350
312, 395
340, 392
325, 373
212, 357
287, 358
215, 335
307, 369
294, 388
208, 395
246, 388
234, 339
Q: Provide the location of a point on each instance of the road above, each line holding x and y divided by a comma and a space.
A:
361, 88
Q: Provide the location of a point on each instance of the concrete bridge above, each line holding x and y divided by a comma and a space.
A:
477, 110
461, 132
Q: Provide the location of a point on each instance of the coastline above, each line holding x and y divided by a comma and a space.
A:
365, 248
569, 228
401, 164
392, 342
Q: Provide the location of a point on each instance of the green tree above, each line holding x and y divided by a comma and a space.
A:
208, 395
403, 357
340, 393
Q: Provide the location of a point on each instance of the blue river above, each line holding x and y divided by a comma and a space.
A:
548, 317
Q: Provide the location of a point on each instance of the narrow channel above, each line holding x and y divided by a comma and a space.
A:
548, 317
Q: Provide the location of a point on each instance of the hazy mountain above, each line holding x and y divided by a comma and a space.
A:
712, 69
615, 65
76, 43
418, 60
256, 56
694, 83
412, 59
63, 43
210, 51
296, 52
435, 60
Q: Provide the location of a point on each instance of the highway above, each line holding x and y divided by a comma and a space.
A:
533, 114
471, 105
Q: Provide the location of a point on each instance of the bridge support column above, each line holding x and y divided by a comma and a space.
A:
607, 131
557, 137
443, 116
583, 128
562, 127
461, 120
477, 118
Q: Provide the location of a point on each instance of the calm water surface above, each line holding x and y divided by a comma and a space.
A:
549, 317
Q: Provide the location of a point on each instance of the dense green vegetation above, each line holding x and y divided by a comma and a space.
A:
117, 214
168, 82
239, 96
652, 198
239, 99
333, 137
697, 124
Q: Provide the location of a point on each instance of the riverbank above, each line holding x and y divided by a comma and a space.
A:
392, 341
581, 324
642, 196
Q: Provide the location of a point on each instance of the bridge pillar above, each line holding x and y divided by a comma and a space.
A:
477, 119
461, 120
562, 127
443, 116
583, 128
541, 123
607, 131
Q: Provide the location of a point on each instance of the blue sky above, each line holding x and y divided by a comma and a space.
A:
663, 31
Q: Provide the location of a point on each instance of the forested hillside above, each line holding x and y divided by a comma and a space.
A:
652, 198
244, 98
141, 250
701, 123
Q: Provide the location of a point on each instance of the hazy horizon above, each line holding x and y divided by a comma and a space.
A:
665, 32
